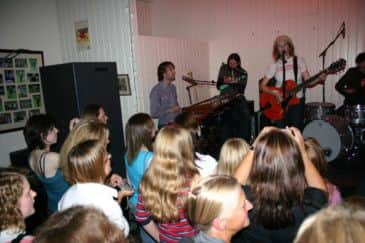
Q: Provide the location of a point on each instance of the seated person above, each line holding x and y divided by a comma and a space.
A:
87, 167
16, 204
218, 207
206, 164
231, 156
335, 224
79, 224
282, 183
40, 134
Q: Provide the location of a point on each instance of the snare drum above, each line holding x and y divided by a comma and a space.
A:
333, 133
356, 114
316, 110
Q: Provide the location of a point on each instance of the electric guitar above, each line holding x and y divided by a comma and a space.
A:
275, 110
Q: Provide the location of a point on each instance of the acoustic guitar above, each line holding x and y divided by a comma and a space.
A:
275, 110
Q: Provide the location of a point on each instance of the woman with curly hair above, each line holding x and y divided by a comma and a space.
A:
16, 204
282, 183
165, 185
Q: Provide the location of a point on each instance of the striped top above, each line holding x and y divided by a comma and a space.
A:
169, 231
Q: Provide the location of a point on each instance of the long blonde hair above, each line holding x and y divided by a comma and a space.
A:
335, 224
84, 130
232, 154
11, 189
171, 170
209, 199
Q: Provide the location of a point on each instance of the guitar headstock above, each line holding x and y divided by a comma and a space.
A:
337, 66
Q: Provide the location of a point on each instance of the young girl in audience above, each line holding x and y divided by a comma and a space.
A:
218, 207
316, 155
206, 164
165, 185
40, 134
335, 224
16, 204
231, 156
84, 130
88, 165
282, 183
79, 224
140, 131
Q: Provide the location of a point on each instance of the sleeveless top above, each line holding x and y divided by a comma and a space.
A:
55, 186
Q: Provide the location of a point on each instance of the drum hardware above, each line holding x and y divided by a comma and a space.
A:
355, 114
317, 110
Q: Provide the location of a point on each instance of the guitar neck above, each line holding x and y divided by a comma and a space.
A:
305, 83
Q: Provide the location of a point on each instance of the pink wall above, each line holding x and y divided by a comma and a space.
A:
249, 27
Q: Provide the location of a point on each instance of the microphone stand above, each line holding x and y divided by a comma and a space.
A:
323, 55
189, 93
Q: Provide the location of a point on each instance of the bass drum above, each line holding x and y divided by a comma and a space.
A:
333, 133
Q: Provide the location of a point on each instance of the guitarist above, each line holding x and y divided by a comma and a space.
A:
295, 69
232, 80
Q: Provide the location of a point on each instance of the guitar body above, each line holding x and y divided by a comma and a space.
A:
276, 112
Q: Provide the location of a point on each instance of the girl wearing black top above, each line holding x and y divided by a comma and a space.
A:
282, 183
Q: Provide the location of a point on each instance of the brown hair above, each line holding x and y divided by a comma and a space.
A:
84, 130
138, 133
11, 189
232, 154
91, 111
79, 224
287, 41
170, 172
336, 224
276, 179
316, 155
86, 162
187, 120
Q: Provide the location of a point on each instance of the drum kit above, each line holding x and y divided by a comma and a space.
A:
340, 134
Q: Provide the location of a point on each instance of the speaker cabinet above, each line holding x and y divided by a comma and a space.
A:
69, 87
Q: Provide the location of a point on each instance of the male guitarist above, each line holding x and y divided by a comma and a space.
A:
294, 69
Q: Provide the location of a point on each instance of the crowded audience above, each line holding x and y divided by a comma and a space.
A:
273, 191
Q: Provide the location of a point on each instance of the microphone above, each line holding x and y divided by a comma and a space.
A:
343, 32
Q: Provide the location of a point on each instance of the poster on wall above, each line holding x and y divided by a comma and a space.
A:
82, 35
21, 93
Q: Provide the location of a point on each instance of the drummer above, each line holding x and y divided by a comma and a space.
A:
352, 84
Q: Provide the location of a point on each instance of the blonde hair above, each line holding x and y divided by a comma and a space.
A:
84, 130
11, 189
209, 199
86, 162
232, 154
170, 172
288, 41
333, 224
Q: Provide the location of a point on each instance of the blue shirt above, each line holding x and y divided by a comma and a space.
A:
162, 98
136, 170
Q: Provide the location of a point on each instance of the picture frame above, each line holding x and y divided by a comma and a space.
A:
124, 85
20, 87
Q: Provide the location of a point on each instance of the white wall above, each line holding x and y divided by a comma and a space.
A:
250, 26
28, 25
110, 38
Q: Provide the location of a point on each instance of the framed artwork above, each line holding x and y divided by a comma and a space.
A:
124, 85
20, 87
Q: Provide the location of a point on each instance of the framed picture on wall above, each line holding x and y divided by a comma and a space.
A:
124, 85
20, 87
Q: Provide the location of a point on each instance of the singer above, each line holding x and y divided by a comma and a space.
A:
287, 66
